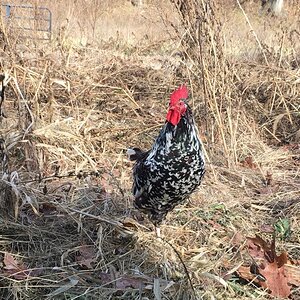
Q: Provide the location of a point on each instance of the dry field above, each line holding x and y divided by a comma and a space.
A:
68, 229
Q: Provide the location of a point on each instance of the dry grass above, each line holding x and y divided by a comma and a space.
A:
73, 105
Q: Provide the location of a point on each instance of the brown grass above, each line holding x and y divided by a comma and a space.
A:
74, 104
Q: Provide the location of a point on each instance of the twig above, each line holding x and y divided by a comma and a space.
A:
183, 264
99, 218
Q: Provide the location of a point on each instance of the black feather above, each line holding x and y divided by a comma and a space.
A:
168, 173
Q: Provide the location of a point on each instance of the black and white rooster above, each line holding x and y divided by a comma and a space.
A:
168, 173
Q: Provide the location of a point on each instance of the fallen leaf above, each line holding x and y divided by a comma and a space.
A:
266, 190
291, 147
269, 270
47, 208
276, 280
9, 262
257, 247
245, 272
87, 255
267, 228
14, 268
237, 239
248, 163
124, 281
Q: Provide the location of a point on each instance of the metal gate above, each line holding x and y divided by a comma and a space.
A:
29, 21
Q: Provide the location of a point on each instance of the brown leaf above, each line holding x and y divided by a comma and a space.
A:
47, 208
214, 224
266, 190
237, 239
86, 256
135, 282
105, 278
281, 260
294, 262
257, 247
14, 268
267, 228
124, 281
245, 273
248, 163
276, 280
271, 271
9, 262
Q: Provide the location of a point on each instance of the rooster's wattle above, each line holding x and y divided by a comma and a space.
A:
173, 168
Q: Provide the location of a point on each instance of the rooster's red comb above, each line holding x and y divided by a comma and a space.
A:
180, 93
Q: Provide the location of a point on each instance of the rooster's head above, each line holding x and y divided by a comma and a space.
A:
177, 106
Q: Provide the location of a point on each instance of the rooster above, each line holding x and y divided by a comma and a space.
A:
173, 168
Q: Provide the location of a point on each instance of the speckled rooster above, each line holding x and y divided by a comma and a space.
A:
168, 173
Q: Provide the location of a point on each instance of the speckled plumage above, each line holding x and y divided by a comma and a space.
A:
168, 173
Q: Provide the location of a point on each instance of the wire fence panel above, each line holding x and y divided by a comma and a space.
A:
28, 21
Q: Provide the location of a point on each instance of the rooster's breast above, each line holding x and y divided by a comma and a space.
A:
163, 181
